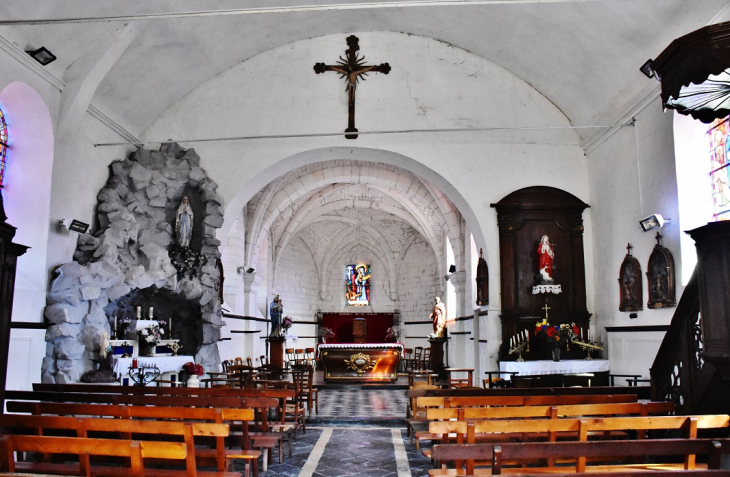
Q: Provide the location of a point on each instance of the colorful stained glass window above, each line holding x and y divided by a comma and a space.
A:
357, 291
719, 170
3, 146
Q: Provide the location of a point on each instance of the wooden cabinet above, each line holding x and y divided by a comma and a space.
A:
359, 330
523, 217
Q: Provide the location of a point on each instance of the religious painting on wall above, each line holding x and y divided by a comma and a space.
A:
660, 277
357, 291
717, 135
629, 280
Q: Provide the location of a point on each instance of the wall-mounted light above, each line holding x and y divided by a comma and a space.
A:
42, 55
73, 225
653, 222
250, 270
452, 269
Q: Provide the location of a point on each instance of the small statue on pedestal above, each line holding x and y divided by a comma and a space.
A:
105, 372
438, 315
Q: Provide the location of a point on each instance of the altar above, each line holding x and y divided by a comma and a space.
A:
361, 362
596, 370
166, 364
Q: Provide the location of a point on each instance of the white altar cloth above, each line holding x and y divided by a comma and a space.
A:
324, 346
166, 364
542, 367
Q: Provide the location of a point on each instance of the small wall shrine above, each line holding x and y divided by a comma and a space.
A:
542, 274
154, 251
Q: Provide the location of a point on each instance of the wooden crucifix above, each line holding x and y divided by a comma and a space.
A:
352, 69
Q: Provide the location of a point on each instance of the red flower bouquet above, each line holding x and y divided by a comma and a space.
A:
192, 368
557, 335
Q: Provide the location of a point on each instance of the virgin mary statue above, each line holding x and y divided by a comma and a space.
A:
184, 223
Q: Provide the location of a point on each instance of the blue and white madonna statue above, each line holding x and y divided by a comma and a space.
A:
275, 310
184, 223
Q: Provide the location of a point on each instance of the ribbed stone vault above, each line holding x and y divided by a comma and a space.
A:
334, 206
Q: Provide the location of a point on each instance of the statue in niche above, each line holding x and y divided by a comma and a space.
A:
275, 310
184, 223
105, 372
545, 251
438, 315
660, 277
630, 283
482, 281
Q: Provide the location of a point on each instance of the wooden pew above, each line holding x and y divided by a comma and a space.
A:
644, 392
135, 451
576, 429
549, 412
265, 435
17, 424
423, 402
602, 454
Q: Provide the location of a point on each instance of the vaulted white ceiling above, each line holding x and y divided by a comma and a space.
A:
583, 55
335, 206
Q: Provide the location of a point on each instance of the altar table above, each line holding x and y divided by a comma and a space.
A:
166, 364
361, 362
568, 367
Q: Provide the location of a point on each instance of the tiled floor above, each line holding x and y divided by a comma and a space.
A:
358, 432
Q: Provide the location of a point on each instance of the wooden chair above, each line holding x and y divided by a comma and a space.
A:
290, 357
414, 363
426, 361
263, 360
299, 356
406, 356
309, 358
308, 392
295, 406
249, 361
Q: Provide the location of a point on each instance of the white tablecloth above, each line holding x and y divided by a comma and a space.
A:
166, 364
541, 367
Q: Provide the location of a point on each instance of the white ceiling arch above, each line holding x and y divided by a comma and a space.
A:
351, 191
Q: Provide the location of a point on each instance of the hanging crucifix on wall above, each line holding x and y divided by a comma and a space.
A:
352, 69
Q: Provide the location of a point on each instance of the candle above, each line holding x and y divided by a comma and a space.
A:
169, 327
115, 322
151, 312
510, 342
139, 312
581, 333
134, 362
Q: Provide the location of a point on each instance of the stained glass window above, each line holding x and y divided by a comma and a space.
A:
719, 171
3, 146
357, 291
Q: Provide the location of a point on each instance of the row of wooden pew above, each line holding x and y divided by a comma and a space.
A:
156, 430
488, 433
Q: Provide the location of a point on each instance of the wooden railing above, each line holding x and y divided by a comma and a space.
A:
679, 374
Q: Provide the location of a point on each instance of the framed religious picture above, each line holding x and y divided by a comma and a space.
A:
482, 281
660, 277
629, 281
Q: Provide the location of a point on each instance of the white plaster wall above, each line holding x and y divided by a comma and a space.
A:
277, 92
632, 175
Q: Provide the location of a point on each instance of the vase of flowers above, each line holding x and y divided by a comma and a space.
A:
392, 334
325, 333
556, 335
148, 338
286, 323
194, 371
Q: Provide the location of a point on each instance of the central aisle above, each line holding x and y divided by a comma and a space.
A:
358, 432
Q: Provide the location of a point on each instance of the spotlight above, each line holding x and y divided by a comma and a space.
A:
452, 269
250, 270
42, 55
648, 69
653, 222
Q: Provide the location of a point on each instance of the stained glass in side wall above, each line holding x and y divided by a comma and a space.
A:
3, 146
717, 135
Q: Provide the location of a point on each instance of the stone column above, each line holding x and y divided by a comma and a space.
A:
458, 279
249, 295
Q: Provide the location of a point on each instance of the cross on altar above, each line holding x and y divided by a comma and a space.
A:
546, 308
352, 69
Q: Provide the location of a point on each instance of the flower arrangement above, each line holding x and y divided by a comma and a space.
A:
326, 332
192, 368
286, 322
557, 335
392, 333
152, 334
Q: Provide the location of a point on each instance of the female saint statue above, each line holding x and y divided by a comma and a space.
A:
545, 251
184, 223
438, 315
